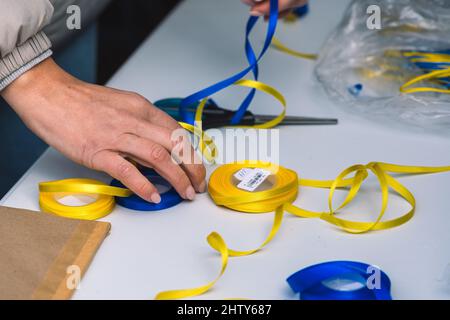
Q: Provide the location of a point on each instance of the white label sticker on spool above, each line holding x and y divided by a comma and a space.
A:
241, 174
254, 179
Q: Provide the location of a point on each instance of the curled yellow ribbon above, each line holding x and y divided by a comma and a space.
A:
278, 45
284, 192
206, 144
270, 91
218, 244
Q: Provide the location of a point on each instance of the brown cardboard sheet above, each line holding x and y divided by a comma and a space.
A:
41, 254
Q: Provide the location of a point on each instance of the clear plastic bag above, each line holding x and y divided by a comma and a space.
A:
365, 68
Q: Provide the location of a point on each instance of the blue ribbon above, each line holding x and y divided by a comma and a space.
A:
431, 66
253, 61
168, 199
309, 282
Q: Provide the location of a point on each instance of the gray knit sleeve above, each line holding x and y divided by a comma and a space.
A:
22, 43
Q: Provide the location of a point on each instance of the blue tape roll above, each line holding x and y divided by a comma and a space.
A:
309, 282
168, 199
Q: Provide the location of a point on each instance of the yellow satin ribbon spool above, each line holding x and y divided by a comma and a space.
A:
49, 192
284, 191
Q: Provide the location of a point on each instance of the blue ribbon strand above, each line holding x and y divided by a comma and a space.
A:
309, 282
253, 60
432, 66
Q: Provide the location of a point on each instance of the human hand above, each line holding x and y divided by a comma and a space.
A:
101, 128
262, 7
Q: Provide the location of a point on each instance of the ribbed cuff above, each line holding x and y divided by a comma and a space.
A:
23, 58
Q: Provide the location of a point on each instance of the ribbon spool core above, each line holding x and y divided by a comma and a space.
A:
341, 280
75, 200
350, 282
161, 185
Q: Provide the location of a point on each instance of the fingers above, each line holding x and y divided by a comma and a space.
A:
157, 126
127, 173
166, 131
193, 166
153, 154
262, 8
251, 2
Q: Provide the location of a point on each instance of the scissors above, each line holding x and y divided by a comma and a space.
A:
216, 117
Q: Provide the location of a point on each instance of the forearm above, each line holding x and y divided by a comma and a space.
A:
36, 96
26, 93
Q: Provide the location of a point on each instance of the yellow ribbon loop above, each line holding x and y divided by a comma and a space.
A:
283, 193
278, 45
270, 91
206, 144
218, 244
50, 192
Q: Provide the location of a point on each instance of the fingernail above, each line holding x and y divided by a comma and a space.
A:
190, 193
256, 13
156, 198
202, 187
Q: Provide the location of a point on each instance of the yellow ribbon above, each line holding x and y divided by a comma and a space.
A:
429, 76
278, 45
290, 18
197, 130
284, 192
206, 143
50, 192
435, 75
270, 91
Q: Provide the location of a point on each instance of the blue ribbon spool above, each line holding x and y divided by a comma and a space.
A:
169, 198
311, 282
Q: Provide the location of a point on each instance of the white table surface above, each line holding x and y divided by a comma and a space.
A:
200, 43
